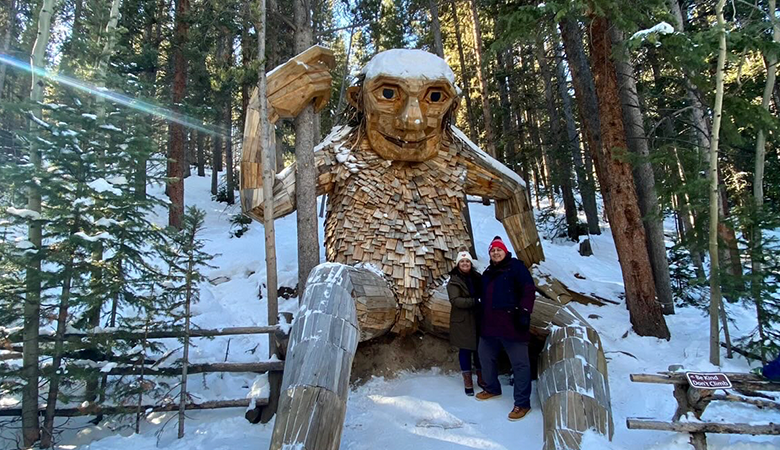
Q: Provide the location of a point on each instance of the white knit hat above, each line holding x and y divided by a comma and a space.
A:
464, 255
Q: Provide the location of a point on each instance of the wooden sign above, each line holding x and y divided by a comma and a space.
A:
700, 380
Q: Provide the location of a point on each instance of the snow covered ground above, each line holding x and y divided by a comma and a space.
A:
425, 410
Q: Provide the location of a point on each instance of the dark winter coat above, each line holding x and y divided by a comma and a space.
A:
463, 291
508, 294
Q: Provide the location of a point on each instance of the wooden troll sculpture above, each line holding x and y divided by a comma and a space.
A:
397, 176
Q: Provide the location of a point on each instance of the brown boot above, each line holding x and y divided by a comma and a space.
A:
518, 413
480, 382
468, 383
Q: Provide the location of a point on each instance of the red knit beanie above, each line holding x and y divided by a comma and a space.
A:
497, 242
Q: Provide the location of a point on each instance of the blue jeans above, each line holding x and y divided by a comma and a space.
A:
464, 357
489, 348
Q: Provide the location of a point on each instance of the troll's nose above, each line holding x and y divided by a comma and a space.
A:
411, 116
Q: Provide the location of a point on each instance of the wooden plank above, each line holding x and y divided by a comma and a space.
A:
702, 427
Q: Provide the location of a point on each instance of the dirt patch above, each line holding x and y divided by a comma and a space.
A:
388, 355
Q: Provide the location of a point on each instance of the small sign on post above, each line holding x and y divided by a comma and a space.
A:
702, 380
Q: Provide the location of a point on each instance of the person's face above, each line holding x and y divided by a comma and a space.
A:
404, 116
464, 265
497, 254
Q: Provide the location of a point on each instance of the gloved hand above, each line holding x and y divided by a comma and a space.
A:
523, 321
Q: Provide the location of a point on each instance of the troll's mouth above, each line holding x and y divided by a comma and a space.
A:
403, 143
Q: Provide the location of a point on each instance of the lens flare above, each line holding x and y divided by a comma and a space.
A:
130, 102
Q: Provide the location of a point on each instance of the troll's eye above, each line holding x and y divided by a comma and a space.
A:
388, 93
436, 96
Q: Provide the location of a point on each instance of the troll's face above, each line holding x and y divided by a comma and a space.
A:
405, 97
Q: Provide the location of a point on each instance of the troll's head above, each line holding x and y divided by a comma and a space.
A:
406, 98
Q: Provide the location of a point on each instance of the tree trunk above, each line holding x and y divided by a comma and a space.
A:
758, 180
32, 303
573, 143
176, 130
201, 138
508, 134
7, 40
227, 120
185, 359
621, 201
216, 154
587, 102
68, 54
47, 433
644, 178
464, 76
487, 114
305, 175
715, 295
558, 162
436, 28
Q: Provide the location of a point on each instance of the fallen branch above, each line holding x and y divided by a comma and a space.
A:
738, 380
752, 401
108, 410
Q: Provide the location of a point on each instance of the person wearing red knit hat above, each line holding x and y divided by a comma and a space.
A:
508, 294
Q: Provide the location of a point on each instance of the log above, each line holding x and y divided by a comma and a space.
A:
257, 367
131, 409
323, 342
752, 401
573, 384
162, 334
702, 427
738, 380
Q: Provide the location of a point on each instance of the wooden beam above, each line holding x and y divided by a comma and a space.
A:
109, 410
702, 427
163, 334
739, 380
257, 367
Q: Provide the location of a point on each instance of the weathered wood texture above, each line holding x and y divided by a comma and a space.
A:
703, 427
131, 409
573, 382
406, 218
322, 346
738, 380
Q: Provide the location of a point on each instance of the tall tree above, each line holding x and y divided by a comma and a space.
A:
717, 110
560, 161
176, 130
587, 193
758, 180
585, 94
487, 113
464, 74
621, 201
438, 46
643, 176
305, 175
32, 301
9, 28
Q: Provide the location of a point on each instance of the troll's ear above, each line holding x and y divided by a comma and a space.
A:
353, 97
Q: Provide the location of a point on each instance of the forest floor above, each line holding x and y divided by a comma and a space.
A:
424, 410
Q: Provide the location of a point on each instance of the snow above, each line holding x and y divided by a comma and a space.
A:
24, 213
404, 63
94, 238
661, 28
424, 410
89, 116
101, 185
110, 127
494, 163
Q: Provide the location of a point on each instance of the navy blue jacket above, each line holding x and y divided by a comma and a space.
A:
508, 292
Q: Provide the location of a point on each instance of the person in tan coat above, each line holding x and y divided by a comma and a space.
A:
463, 290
